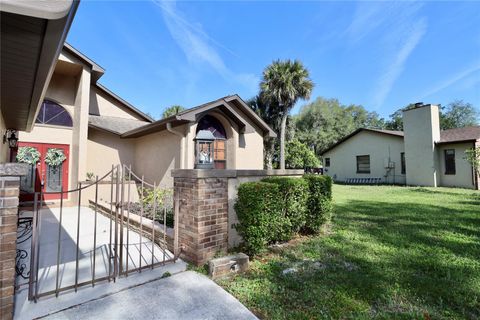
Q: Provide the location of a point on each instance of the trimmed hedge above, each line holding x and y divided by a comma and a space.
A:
294, 198
319, 202
276, 208
258, 212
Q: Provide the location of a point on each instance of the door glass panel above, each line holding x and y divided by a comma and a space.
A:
54, 178
27, 183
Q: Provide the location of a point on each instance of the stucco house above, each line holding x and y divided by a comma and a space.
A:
95, 129
63, 126
421, 155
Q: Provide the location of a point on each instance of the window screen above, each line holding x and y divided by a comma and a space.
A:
450, 161
327, 162
363, 164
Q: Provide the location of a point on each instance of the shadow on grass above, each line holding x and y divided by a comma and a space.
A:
384, 260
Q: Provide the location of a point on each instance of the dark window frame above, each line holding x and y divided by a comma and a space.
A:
327, 162
450, 165
402, 163
53, 114
358, 167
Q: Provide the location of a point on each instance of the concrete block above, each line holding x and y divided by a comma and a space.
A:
221, 267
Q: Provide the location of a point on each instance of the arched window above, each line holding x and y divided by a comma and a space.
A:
54, 114
210, 144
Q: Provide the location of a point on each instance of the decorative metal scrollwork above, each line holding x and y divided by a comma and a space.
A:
24, 233
21, 265
24, 229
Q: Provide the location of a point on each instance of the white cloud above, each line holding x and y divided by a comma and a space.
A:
393, 30
392, 72
198, 46
453, 79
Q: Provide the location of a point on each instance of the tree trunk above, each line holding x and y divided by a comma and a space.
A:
283, 128
269, 149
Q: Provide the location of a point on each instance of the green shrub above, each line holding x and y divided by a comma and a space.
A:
319, 201
293, 197
259, 214
276, 208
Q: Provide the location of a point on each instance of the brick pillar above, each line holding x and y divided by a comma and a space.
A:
203, 216
9, 189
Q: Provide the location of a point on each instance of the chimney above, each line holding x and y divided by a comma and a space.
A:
421, 126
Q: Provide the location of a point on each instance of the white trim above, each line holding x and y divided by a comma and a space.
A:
45, 9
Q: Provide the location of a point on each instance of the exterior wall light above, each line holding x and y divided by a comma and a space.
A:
11, 137
204, 150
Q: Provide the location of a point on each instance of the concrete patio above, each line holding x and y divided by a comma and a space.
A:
139, 251
187, 295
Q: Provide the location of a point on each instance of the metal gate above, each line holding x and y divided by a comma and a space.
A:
118, 224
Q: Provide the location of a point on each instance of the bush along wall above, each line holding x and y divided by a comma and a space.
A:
258, 211
293, 198
319, 204
276, 208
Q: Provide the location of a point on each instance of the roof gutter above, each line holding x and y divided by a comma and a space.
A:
182, 143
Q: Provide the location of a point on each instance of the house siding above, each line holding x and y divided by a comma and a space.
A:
463, 176
106, 149
422, 130
380, 148
104, 105
156, 155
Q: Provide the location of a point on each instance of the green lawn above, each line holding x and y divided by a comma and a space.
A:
390, 253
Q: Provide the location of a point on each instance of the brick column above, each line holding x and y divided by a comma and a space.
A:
9, 188
203, 216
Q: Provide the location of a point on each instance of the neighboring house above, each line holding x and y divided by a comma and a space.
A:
96, 129
421, 155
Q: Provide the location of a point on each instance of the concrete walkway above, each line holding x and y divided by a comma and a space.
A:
186, 295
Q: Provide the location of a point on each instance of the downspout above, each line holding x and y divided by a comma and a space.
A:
182, 143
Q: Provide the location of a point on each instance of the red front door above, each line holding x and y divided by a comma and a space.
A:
43, 177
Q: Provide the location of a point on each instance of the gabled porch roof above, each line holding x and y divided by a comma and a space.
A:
227, 105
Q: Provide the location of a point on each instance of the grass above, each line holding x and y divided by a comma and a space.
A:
390, 253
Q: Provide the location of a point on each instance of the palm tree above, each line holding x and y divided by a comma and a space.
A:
269, 113
170, 111
283, 84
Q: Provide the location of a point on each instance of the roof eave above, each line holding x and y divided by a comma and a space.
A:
57, 27
90, 125
267, 130
457, 141
153, 127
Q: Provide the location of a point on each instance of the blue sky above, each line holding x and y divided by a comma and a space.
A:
382, 55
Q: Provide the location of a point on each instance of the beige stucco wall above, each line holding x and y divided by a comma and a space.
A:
463, 176
155, 155
106, 149
104, 105
249, 153
380, 147
62, 89
422, 130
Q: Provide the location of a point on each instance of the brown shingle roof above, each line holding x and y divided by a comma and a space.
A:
460, 134
114, 124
